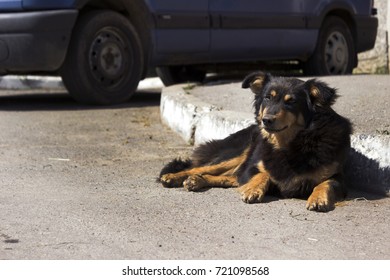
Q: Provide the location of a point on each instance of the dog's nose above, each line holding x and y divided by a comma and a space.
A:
268, 120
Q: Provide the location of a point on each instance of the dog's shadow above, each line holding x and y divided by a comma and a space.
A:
365, 177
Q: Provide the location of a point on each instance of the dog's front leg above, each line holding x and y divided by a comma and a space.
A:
325, 195
255, 189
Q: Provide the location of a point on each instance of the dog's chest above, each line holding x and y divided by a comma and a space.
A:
296, 171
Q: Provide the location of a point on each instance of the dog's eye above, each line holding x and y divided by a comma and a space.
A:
267, 97
290, 101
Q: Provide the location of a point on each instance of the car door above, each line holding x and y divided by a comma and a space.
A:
260, 29
10, 5
182, 27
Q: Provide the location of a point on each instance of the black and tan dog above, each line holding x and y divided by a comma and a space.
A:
297, 148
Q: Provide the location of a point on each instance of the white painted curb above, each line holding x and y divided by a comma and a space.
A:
14, 82
29, 82
181, 111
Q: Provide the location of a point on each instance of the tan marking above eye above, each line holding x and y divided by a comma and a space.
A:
273, 93
287, 97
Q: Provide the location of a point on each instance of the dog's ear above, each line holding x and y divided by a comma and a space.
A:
320, 93
256, 81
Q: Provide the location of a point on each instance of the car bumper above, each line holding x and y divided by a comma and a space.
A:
366, 31
34, 41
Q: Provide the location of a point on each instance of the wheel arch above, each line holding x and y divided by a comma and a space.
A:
345, 12
331, 20
138, 14
346, 16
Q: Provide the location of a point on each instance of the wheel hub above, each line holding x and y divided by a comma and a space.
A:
111, 60
336, 53
108, 57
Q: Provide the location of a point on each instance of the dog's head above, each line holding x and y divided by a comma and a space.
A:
285, 106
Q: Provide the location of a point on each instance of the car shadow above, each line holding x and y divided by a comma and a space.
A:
39, 100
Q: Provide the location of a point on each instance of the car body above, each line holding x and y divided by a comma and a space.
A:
42, 36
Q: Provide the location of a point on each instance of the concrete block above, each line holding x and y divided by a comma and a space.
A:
30, 82
181, 111
220, 124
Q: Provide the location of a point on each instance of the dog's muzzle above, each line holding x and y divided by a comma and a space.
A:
268, 123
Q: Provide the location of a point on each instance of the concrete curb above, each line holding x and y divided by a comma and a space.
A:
14, 82
219, 124
197, 122
182, 111
29, 82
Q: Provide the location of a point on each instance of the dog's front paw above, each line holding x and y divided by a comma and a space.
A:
320, 202
194, 183
251, 193
170, 180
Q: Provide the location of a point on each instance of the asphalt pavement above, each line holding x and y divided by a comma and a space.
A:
79, 182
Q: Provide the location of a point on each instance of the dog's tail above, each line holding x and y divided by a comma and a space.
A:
175, 165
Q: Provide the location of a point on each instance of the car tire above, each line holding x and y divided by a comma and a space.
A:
171, 75
335, 50
104, 62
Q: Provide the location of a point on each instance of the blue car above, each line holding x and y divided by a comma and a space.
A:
103, 48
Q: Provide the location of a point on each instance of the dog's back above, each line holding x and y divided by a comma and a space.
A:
216, 151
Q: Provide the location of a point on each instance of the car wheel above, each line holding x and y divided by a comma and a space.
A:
335, 51
104, 61
171, 75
